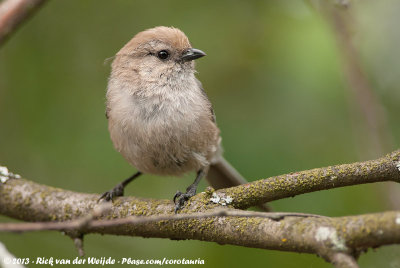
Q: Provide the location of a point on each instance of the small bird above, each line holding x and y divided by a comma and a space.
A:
159, 116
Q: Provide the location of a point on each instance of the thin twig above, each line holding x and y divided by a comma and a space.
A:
371, 109
13, 13
373, 117
78, 242
342, 260
90, 222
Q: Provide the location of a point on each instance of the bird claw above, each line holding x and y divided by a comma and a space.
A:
114, 192
181, 198
177, 195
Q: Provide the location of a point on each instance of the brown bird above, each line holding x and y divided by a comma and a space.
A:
159, 117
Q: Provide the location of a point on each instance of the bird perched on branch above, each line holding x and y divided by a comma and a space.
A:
160, 118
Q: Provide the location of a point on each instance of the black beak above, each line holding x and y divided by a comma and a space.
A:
192, 54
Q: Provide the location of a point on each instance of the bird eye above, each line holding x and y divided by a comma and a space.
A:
163, 54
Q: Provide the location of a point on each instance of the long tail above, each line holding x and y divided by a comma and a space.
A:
222, 175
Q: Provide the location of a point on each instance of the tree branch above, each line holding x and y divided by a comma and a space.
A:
278, 187
36, 196
335, 239
321, 235
13, 13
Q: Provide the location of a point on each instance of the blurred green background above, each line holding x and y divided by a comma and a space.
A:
273, 73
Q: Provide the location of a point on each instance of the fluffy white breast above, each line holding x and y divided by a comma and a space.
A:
161, 127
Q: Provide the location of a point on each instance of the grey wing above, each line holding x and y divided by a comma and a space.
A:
213, 118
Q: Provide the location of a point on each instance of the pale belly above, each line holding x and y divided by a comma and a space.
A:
166, 142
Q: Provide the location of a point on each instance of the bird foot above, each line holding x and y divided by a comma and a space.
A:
118, 190
181, 198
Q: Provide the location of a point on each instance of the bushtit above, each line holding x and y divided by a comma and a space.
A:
159, 116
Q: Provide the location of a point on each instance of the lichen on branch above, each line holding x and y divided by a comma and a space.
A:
337, 240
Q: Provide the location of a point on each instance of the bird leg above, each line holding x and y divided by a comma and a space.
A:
118, 190
180, 198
